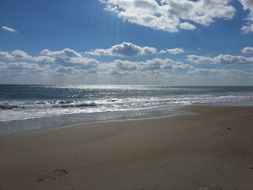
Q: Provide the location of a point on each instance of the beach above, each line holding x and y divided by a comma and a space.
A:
208, 149
126, 95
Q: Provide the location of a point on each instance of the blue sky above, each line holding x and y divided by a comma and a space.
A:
127, 42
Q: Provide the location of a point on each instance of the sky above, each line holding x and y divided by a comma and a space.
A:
152, 42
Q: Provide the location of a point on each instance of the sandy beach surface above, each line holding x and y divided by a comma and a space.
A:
210, 149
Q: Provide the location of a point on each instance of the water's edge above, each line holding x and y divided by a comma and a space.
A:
25, 108
38, 124
177, 111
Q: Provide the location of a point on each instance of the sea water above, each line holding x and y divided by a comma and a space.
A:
32, 107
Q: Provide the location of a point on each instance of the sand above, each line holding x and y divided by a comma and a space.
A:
210, 149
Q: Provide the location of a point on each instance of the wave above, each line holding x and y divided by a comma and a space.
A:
46, 104
134, 102
8, 107
63, 104
28, 109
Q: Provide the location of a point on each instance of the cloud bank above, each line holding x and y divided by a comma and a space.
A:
220, 59
67, 63
170, 15
175, 15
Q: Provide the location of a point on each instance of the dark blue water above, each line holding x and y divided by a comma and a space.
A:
28, 107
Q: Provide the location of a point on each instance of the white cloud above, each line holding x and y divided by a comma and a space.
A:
125, 49
198, 59
24, 66
54, 60
187, 26
217, 72
170, 15
247, 28
9, 29
248, 5
69, 63
165, 67
174, 51
222, 58
19, 54
14, 55
247, 50
155, 65
62, 53
66, 58
5, 55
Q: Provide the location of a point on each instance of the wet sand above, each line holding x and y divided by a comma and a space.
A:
210, 149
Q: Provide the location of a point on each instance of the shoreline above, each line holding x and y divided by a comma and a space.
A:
210, 148
172, 112
147, 114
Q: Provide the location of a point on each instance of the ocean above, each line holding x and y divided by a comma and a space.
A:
34, 107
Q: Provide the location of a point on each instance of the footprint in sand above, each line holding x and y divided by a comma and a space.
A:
57, 173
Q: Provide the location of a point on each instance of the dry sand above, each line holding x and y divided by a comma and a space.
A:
209, 150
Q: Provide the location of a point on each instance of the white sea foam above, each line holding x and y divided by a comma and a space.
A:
20, 110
